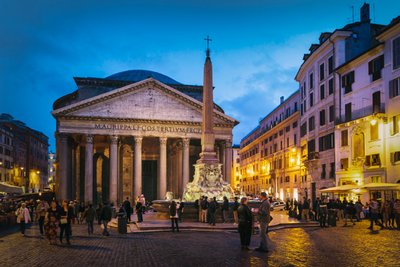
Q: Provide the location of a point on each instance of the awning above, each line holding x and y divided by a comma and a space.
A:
10, 189
341, 188
381, 186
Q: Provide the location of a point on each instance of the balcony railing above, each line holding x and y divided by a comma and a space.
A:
362, 112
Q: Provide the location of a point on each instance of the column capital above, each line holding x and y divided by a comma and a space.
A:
113, 139
185, 142
89, 139
138, 139
163, 140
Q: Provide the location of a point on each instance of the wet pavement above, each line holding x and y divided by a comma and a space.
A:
338, 246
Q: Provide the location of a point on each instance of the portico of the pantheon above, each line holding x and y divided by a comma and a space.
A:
133, 132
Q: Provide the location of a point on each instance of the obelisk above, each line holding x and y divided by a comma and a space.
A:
207, 179
208, 154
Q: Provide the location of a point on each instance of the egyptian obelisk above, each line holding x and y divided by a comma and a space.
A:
207, 180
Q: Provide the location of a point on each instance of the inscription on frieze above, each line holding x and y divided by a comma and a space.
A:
147, 128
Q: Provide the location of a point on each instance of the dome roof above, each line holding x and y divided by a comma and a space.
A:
140, 75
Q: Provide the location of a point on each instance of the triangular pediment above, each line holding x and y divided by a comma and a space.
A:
145, 100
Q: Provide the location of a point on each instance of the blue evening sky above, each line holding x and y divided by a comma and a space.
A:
257, 47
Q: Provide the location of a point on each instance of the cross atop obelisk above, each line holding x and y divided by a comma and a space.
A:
208, 154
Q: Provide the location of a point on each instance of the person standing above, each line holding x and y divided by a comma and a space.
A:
106, 215
374, 213
143, 202
212, 209
173, 215
181, 208
41, 210
245, 219
90, 215
323, 213
204, 209
23, 217
51, 222
139, 211
66, 213
396, 211
235, 211
263, 219
225, 210
350, 211
386, 211
128, 208
306, 209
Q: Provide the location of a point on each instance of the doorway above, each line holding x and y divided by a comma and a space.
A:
149, 179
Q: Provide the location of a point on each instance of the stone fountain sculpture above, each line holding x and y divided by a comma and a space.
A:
208, 179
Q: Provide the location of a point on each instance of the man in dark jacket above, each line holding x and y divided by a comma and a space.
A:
245, 223
212, 208
225, 210
128, 208
90, 215
106, 214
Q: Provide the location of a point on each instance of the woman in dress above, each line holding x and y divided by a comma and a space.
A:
52, 221
173, 212
66, 214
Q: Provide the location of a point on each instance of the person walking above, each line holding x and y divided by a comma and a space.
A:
349, 212
66, 213
128, 208
90, 215
173, 215
51, 222
23, 217
225, 210
142, 200
212, 208
245, 219
204, 208
386, 211
322, 213
106, 215
235, 207
263, 219
358, 208
139, 211
41, 210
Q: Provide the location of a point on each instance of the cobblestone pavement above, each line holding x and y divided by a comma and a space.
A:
339, 246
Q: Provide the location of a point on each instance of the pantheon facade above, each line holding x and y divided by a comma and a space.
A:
130, 133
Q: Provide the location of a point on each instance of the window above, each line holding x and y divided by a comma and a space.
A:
322, 91
395, 124
374, 129
303, 129
331, 87
347, 112
344, 138
311, 81
311, 124
294, 125
323, 172
347, 81
396, 53
332, 171
305, 106
374, 68
372, 160
287, 141
331, 113
280, 132
287, 129
295, 139
311, 149
295, 106
311, 99
322, 117
344, 163
330, 65
287, 179
326, 142
395, 157
321, 71
376, 102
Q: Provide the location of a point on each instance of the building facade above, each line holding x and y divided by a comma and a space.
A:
6, 155
270, 154
235, 173
52, 170
321, 97
29, 153
133, 132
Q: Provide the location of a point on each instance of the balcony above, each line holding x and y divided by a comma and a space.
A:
361, 113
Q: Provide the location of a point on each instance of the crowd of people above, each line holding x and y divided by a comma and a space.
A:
384, 214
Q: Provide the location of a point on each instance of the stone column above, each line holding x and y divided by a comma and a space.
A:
89, 169
162, 176
185, 163
114, 169
138, 166
228, 161
63, 167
